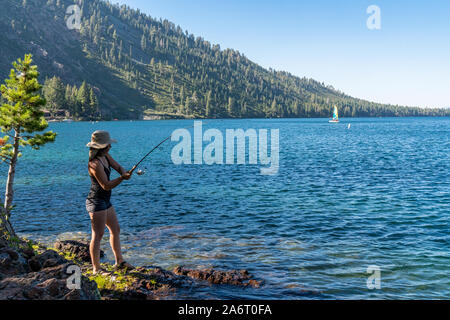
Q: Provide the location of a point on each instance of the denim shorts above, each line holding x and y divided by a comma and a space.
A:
96, 205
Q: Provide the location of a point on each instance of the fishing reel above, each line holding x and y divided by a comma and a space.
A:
141, 172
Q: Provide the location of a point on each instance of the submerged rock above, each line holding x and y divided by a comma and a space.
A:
233, 277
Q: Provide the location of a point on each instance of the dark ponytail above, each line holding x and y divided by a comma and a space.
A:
94, 153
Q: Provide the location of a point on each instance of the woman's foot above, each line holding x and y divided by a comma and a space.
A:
123, 266
101, 272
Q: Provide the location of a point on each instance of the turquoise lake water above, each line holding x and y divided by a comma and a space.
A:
344, 199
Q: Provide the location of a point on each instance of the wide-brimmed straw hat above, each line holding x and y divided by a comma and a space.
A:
100, 140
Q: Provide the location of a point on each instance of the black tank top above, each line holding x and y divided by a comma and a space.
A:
97, 192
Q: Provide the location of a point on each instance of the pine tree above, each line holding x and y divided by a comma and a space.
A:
194, 103
187, 106
244, 109
182, 95
231, 107
181, 108
74, 102
67, 99
209, 110
83, 99
93, 103
20, 117
296, 109
143, 42
54, 94
273, 108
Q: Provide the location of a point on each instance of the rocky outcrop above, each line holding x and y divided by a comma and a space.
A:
11, 263
42, 274
152, 282
47, 259
143, 283
78, 250
28, 274
50, 283
155, 283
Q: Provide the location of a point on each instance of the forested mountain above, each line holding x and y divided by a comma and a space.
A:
132, 62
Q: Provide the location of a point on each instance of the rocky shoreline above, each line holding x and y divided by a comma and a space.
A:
31, 271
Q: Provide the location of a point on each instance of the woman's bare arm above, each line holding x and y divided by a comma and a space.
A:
96, 170
115, 165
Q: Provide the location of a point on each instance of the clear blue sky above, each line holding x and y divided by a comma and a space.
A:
407, 62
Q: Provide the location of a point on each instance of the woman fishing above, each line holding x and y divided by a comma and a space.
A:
98, 202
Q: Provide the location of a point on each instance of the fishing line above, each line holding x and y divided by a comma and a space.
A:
141, 172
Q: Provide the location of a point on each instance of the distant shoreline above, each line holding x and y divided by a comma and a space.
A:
68, 120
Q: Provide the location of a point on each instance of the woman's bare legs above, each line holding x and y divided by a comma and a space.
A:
98, 222
114, 239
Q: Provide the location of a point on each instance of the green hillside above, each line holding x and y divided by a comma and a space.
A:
135, 64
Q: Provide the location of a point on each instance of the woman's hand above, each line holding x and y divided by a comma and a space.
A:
126, 176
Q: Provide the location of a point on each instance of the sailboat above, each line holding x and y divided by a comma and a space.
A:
335, 116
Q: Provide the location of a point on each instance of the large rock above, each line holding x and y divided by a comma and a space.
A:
78, 249
48, 284
25, 275
49, 258
2, 242
11, 262
145, 283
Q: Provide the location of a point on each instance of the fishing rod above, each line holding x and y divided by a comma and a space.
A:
145, 157
140, 172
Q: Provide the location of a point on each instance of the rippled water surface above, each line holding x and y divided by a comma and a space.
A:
344, 199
